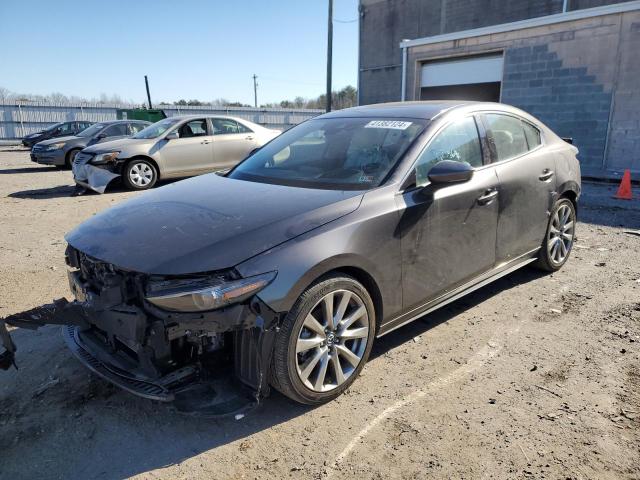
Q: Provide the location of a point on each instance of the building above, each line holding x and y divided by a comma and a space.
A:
575, 64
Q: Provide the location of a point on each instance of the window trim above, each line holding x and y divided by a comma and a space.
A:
411, 176
213, 132
179, 125
494, 160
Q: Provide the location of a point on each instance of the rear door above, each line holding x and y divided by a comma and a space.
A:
448, 231
191, 153
527, 184
232, 142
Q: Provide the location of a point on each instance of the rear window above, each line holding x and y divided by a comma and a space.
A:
532, 134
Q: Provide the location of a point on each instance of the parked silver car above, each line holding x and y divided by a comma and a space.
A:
180, 146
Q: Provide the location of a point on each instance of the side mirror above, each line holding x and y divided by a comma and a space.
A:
172, 136
101, 136
448, 171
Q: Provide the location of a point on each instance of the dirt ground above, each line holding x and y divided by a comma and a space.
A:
534, 376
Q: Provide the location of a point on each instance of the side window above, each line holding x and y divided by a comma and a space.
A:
66, 127
223, 126
194, 128
136, 127
507, 136
532, 134
458, 142
243, 128
117, 130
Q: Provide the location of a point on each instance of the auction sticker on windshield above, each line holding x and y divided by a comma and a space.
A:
394, 124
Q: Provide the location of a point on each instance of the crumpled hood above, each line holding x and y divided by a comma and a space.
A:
206, 223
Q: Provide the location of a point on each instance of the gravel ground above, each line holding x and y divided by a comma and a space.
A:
534, 376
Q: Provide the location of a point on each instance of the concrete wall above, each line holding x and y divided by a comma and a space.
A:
384, 23
566, 75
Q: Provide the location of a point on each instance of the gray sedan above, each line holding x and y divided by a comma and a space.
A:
180, 146
62, 151
341, 230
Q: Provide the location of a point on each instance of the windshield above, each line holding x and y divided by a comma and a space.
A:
334, 153
53, 127
157, 129
92, 130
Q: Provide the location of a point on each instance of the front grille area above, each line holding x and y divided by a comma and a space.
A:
100, 275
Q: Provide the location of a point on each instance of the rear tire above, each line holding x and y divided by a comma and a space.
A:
559, 236
139, 174
314, 359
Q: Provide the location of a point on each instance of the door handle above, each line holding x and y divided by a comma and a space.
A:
249, 137
488, 196
546, 175
205, 142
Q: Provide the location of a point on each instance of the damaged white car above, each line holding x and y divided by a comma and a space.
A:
175, 147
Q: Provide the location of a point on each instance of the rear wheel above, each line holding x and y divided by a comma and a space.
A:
139, 174
324, 341
559, 238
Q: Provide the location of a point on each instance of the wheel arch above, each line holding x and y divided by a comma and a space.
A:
571, 191
346, 265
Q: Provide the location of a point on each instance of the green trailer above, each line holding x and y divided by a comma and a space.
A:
141, 114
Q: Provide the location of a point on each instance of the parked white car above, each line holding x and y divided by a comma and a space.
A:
180, 146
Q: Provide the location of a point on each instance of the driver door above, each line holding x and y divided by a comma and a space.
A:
191, 153
448, 230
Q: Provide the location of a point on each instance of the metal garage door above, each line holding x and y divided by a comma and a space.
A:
468, 78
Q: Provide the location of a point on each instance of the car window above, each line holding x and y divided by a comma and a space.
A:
117, 130
532, 134
194, 128
222, 126
66, 128
242, 128
136, 127
334, 153
507, 135
458, 142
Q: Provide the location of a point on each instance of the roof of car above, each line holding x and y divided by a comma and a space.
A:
425, 109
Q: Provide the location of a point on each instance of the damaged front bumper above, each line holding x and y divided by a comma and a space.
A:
213, 362
93, 177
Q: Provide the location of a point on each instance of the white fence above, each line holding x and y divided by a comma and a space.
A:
18, 119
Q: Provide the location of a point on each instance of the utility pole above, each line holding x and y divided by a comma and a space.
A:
329, 53
146, 82
255, 90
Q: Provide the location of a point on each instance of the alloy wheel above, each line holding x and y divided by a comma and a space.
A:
141, 174
561, 234
332, 341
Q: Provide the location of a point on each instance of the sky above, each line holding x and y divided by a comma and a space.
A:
205, 50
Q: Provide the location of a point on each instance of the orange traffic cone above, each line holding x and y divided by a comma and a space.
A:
624, 191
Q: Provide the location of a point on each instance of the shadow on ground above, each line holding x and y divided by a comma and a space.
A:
122, 436
66, 191
9, 171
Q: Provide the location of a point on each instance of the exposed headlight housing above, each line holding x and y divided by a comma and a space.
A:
199, 298
102, 158
55, 146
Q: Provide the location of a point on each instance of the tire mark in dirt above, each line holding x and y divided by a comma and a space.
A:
477, 360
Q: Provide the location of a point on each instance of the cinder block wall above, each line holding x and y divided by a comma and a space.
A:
385, 23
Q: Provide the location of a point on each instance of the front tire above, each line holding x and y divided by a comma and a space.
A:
71, 156
139, 174
324, 341
559, 236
